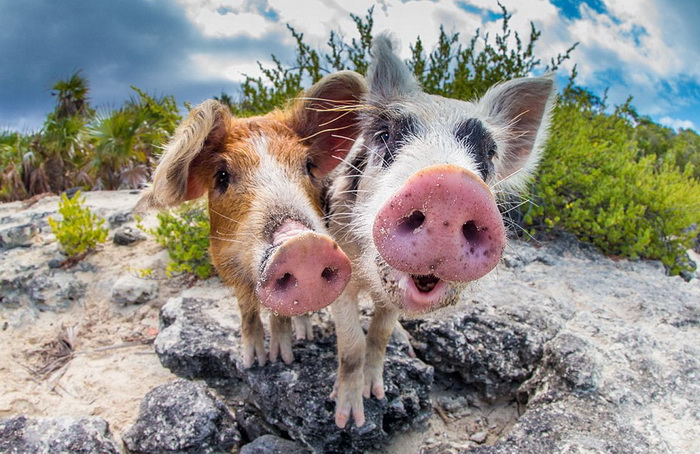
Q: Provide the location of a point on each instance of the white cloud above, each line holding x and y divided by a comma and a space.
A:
677, 123
216, 66
630, 48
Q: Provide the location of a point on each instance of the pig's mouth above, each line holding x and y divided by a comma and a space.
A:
422, 293
425, 283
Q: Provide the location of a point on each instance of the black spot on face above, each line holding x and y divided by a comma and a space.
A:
473, 135
388, 134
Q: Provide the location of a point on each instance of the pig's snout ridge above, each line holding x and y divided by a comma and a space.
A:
306, 272
443, 221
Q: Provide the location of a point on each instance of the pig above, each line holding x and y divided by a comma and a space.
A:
415, 204
264, 177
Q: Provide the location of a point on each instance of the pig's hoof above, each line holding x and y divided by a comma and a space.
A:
348, 403
374, 384
252, 351
302, 328
283, 349
346, 408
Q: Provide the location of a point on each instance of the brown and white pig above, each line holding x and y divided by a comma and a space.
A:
263, 177
415, 204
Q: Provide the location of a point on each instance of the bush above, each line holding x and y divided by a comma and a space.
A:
597, 183
80, 230
184, 232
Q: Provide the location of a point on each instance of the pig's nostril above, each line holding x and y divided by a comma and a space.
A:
412, 222
329, 274
285, 282
471, 232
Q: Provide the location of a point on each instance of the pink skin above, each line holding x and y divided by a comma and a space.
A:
305, 273
443, 222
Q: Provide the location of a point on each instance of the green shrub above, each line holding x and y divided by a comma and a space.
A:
595, 182
184, 232
80, 230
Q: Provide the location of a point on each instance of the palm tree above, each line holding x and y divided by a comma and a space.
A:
116, 136
63, 139
72, 96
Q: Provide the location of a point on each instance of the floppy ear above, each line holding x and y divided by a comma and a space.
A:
174, 180
326, 117
522, 109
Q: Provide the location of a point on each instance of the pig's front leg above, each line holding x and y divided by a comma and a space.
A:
383, 323
281, 338
351, 356
252, 331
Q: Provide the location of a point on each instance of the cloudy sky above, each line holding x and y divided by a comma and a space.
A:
194, 49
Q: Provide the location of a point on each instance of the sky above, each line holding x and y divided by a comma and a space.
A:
195, 49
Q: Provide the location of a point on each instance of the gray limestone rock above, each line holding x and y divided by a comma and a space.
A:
56, 435
271, 444
182, 417
18, 236
603, 356
199, 339
130, 289
126, 235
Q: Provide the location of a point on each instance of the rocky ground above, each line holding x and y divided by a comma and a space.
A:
559, 350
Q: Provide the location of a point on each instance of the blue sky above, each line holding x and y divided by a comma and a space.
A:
194, 49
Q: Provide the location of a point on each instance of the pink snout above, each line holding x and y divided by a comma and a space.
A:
443, 221
306, 272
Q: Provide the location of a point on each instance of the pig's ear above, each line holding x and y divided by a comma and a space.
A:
175, 179
387, 76
326, 117
521, 110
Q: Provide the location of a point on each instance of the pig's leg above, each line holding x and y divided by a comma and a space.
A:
252, 331
351, 356
405, 338
281, 338
383, 323
303, 329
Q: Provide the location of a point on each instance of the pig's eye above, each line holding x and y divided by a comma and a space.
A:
491, 151
222, 180
310, 166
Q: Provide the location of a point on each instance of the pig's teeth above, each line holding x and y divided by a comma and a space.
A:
425, 283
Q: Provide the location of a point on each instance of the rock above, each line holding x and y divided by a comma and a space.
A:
18, 236
488, 348
132, 290
48, 435
120, 218
479, 437
199, 339
270, 444
182, 417
252, 424
603, 355
295, 398
126, 235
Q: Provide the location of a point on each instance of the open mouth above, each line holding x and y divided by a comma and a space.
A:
425, 283
422, 293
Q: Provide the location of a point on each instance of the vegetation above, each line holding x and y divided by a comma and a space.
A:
77, 147
609, 175
79, 231
602, 181
184, 232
